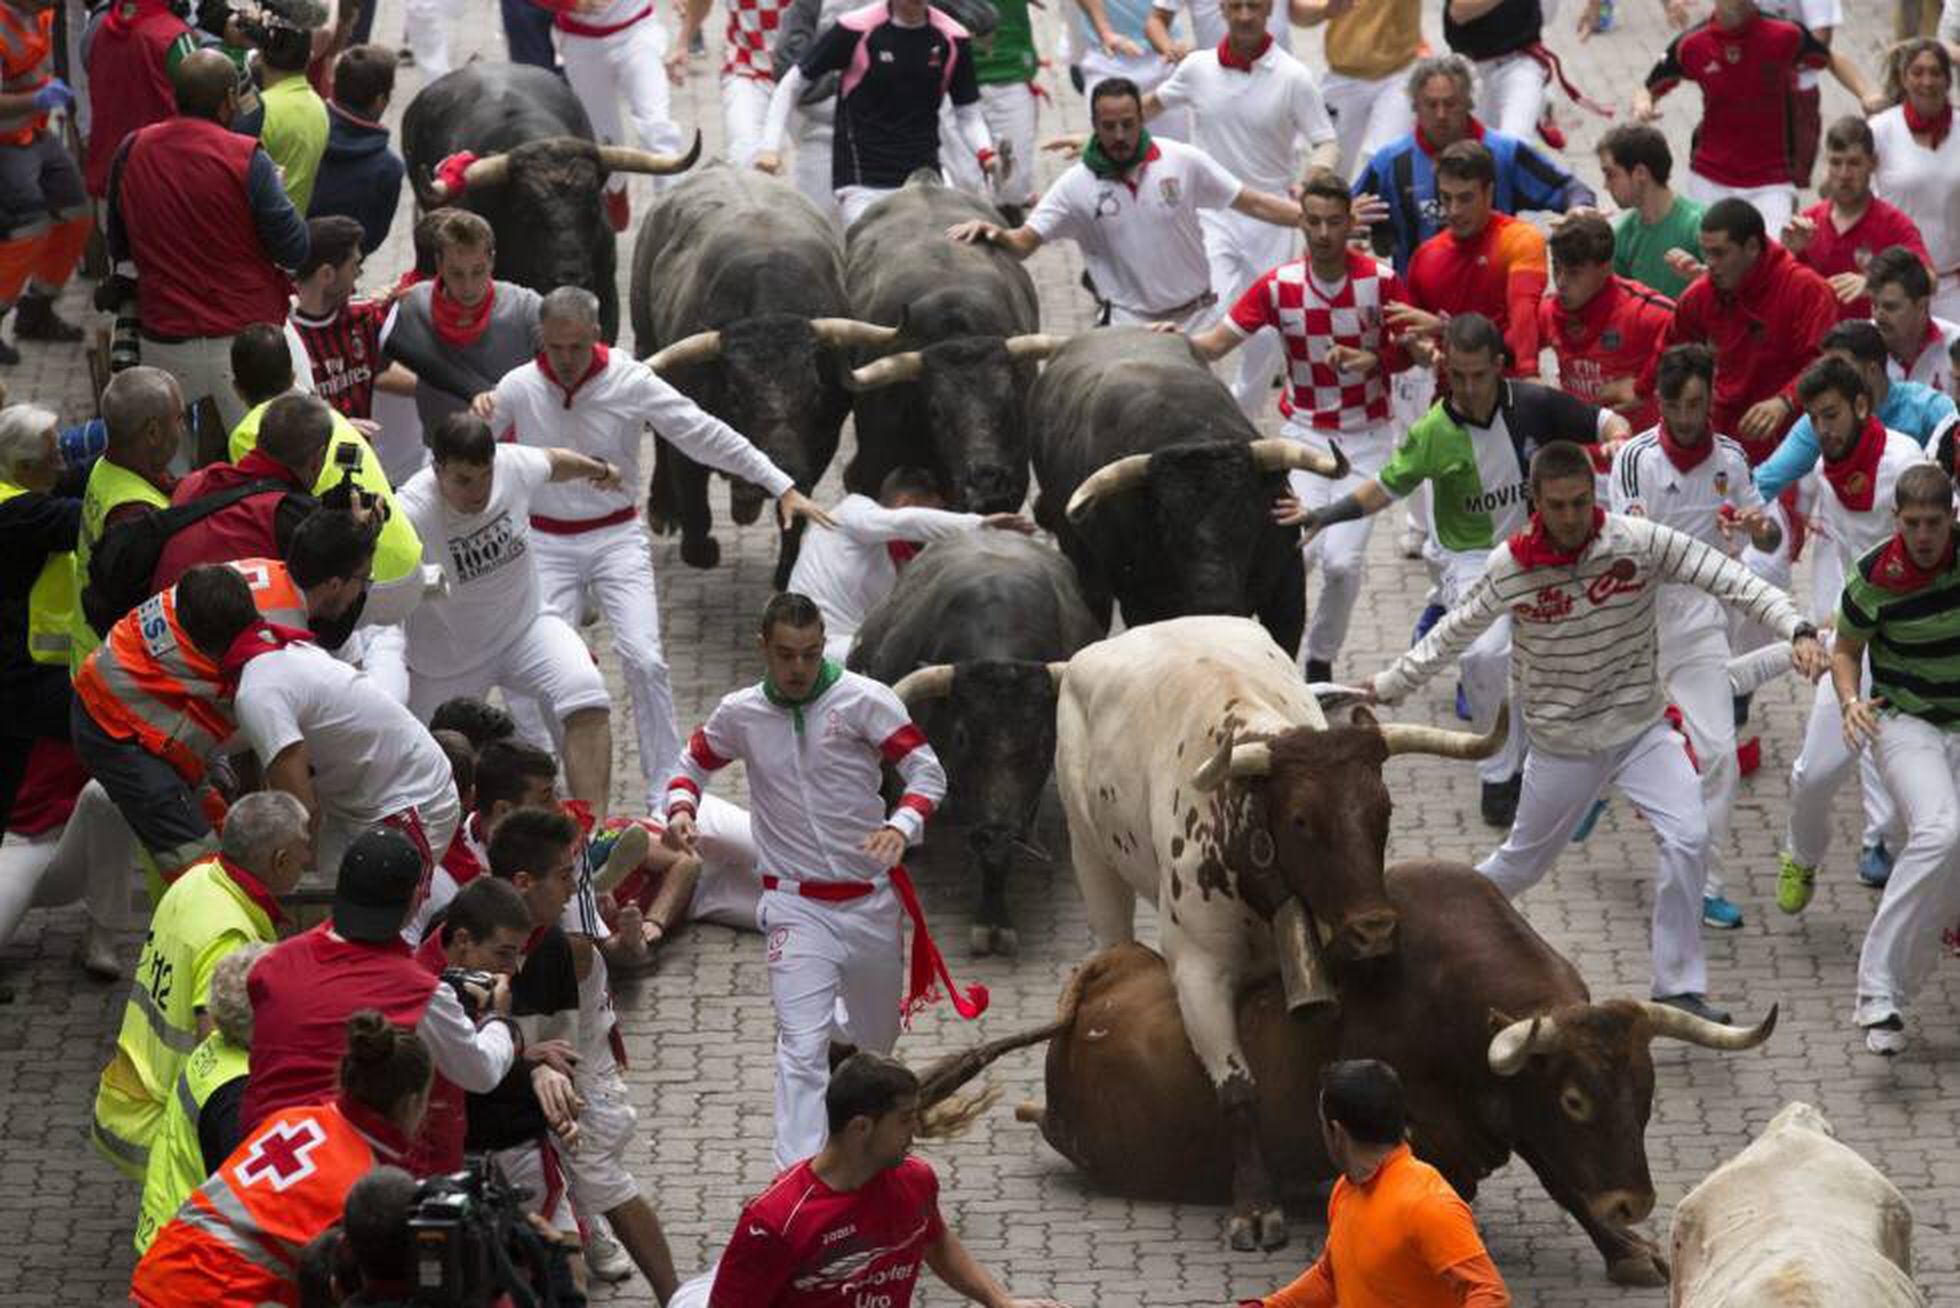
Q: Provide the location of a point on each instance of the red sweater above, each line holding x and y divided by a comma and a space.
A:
1831, 251
1615, 334
1747, 75
1499, 273
1764, 334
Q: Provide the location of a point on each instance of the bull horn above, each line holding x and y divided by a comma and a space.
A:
1124, 474
1056, 671
1037, 345
491, 170
934, 681
1672, 1022
1407, 738
1517, 1042
628, 159
1276, 454
848, 333
888, 371
702, 347
1239, 762
429, 193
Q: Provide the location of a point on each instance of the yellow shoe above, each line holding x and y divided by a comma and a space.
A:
1794, 885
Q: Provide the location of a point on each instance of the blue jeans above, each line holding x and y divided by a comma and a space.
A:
527, 31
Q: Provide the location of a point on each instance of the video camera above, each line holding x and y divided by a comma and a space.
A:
473, 1245
283, 25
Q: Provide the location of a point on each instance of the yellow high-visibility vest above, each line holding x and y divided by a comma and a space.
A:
51, 604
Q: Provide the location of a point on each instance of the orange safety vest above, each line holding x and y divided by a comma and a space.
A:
236, 1242
26, 40
147, 682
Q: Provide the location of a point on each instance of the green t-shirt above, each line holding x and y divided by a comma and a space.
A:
1479, 481
295, 135
1640, 251
1008, 55
1912, 639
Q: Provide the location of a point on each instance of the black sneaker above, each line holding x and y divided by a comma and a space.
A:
1500, 802
1696, 1006
1319, 670
36, 320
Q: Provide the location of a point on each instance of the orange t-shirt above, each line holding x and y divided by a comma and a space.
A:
1500, 272
1390, 1239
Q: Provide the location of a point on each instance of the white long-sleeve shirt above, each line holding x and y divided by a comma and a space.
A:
471, 1056
602, 417
1584, 640
814, 795
850, 570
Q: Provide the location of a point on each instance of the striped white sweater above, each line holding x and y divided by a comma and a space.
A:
1583, 636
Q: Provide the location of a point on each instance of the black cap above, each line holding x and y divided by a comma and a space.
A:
378, 876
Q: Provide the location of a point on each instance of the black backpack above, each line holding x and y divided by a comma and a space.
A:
123, 562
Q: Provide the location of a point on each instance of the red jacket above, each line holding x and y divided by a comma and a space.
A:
128, 85
1616, 334
1764, 334
1499, 273
256, 527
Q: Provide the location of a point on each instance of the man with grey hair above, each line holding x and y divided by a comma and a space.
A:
578, 395
37, 592
143, 410
215, 907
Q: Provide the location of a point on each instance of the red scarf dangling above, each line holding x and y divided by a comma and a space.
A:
1685, 457
458, 325
1854, 478
1935, 125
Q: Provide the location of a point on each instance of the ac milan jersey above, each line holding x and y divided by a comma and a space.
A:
1312, 321
345, 349
1616, 334
801, 1244
751, 30
1747, 135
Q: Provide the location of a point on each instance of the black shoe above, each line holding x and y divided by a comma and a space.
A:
36, 320
1696, 1006
1319, 670
1740, 704
1500, 803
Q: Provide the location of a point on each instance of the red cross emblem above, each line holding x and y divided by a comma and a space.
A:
283, 1155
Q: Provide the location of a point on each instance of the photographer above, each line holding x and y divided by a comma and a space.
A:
289, 1180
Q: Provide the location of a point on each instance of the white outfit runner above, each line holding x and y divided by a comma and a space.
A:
621, 49
91, 857
848, 571
1932, 366
1920, 182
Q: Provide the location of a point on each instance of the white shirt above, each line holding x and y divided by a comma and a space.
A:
1645, 483
1813, 14
1921, 183
1141, 238
603, 417
814, 794
848, 571
486, 559
1251, 122
1853, 531
1208, 22
1931, 367
370, 757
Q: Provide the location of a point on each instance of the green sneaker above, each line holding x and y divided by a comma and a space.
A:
1794, 885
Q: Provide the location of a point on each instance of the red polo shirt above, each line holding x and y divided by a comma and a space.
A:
1880, 227
1617, 333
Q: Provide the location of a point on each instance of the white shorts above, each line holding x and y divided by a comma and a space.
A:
527, 1167
600, 1179
547, 662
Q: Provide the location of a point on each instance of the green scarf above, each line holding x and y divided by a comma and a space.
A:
826, 678
1108, 169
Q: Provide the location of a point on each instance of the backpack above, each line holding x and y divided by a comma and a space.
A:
123, 562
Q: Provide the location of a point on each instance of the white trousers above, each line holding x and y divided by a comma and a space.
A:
744, 107
630, 63
1240, 250
438, 818
427, 24
1191, 320
1775, 203
1652, 771
1920, 763
811, 128
1339, 552
546, 662
836, 972
1009, 111
92, 858
1511, 94
1485, 668
852, 201
1368, 113
1694, 665
616, 563
1821, 768
202, 367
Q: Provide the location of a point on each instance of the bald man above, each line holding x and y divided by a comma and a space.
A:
201, 212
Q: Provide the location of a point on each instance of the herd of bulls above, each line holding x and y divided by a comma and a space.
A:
1197, 771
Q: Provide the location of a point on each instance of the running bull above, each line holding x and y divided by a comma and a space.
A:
1499, 1044
738, 297
1157, 487
968, 638
536, 176
1200, 774
951, 395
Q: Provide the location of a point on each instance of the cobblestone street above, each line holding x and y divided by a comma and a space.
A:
698, 1027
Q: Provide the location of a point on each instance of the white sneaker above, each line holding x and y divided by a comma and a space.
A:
1888, 1037
603, 1255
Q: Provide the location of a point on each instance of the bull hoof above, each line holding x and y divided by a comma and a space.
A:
1265, 1230
745, 509
700, 552
982, 940
1643, 1268
1007, 941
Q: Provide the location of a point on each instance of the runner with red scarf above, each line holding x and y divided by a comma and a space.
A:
1605, 329
815, 740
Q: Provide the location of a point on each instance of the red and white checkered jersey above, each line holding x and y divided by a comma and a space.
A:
751, 30
1312, 322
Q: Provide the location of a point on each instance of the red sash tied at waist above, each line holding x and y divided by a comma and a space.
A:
566, 23
927, 970
579, 526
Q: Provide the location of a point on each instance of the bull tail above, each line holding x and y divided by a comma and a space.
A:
944, 1113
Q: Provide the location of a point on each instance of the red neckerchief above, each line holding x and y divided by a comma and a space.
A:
1532, 548
374, 1126
1429, 147
1936, 125
258, 464
1133, 175
1855, 476
254, 889
261, 637
1895, 571
1685, 457
593, 367
456, 325
1228, 58
902, 551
